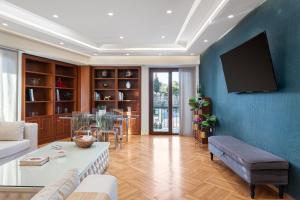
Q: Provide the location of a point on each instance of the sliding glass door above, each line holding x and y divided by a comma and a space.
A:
164, 101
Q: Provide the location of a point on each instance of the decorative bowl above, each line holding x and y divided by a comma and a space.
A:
84, 141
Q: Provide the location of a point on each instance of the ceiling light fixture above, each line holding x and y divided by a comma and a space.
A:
163, 37
205, 41
230, 16
169, 12
121, 37
110, 14
61, 43
127, 54
55, 16
4, 24
95, 54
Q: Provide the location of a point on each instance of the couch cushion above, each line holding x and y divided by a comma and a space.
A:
12, 130
101, 184
247, 155
60, 189
9, 148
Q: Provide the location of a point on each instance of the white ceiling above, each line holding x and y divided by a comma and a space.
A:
84, 26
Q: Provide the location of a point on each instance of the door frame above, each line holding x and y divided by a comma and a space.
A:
170, 104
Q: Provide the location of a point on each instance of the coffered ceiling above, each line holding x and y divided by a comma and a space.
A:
125, 27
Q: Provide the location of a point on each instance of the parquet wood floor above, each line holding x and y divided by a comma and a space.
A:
174, 168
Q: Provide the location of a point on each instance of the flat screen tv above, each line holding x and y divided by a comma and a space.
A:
249, 68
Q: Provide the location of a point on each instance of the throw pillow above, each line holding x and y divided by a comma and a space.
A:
60, 189
12, 130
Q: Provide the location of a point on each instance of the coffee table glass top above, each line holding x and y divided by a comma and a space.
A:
14, 175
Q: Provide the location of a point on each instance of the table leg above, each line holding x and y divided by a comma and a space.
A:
116, 138
121, 136
127, 129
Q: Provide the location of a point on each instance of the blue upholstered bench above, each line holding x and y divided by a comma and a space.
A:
252, 164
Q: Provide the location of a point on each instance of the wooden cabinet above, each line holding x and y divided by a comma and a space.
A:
49, 91
45, 128
63, 128
134, 126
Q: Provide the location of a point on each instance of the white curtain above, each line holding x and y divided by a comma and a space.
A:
8, 85
187, 90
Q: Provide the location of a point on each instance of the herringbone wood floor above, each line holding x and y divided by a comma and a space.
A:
173, 167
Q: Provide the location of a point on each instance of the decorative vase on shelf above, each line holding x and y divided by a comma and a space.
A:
121, 96
128, 74
128, 84
59, 83
104, 73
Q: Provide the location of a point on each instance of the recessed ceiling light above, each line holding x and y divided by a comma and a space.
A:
230, 16
4, 24
163, 37
55, 16
121, 37
205, 41
61, 43
95, 54
192, 54
127, 54
110, 14
169, 11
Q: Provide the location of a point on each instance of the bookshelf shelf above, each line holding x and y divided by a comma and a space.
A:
65, 88
64, 76
128, 78
38, 86
38, 73
128, 89
38, 101
65, 101
104, 89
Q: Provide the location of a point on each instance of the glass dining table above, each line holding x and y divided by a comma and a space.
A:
100, 125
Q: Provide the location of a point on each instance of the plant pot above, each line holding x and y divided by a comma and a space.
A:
195, 127
203, 134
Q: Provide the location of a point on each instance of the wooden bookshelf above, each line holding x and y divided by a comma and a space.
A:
40, 103
109, 81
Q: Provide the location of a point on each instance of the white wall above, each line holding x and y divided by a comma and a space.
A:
145, 100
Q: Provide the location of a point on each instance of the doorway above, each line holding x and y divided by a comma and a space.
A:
164, 101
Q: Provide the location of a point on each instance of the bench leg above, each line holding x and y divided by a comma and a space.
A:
281, 191
252, 191
211, 156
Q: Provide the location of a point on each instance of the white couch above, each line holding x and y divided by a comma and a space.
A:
12, 149
69, 185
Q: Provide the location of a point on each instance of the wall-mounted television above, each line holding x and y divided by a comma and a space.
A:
249, 68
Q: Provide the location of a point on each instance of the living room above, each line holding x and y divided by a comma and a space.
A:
107, 100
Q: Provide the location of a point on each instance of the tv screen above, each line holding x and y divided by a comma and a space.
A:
249, 68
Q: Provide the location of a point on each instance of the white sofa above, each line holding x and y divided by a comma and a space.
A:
70, 185
26, 142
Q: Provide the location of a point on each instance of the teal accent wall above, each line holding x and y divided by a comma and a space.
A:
270, 121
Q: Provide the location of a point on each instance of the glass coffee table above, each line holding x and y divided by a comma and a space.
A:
24, 181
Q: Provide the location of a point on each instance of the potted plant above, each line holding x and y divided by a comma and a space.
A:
207, 124
196, 103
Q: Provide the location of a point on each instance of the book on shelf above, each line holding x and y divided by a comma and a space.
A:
97, 96
57, 95
30, 95
33, 161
